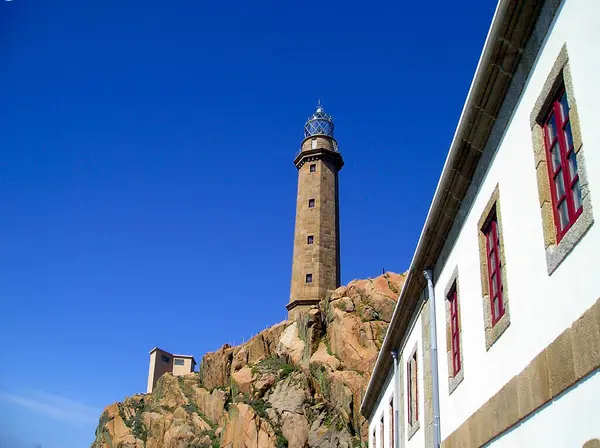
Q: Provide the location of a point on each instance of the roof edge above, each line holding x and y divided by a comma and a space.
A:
404, 306
184, 356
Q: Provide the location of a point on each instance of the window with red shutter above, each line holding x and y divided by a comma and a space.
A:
562, 165
494, 265
454, 331
391, 423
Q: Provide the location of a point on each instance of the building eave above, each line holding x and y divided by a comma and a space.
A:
510, 30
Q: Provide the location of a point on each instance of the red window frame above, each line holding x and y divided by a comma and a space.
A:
454, 330
562, 165
392, 422
412, 419
494, 263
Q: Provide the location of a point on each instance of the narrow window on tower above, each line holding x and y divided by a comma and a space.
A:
310, 239
311, 203
313, 167
381, 433
313, 143
308, 278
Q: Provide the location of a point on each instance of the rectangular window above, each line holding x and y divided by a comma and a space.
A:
313, 167
374, 439
311, 203
308, 278
178, 362
562, 165
494, 264
165, 358
310, 239
454, 330
381, 433
313, 143
392, 422
412, 390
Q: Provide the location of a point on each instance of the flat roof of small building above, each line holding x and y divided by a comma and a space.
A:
155, 349
160, 350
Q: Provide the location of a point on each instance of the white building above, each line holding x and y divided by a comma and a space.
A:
508, 355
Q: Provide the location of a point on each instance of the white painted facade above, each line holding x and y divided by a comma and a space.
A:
542, 306
382, 412
417, 440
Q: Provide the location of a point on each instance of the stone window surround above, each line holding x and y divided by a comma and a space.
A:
453, 380
310, 239
492, 332
312, 168
311, 203
414, 427
309, 278
556, 252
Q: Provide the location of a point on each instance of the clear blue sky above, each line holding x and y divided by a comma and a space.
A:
147, 190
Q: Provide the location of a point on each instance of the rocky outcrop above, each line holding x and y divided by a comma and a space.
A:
297, 384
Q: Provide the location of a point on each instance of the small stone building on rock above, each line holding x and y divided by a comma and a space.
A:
162, 362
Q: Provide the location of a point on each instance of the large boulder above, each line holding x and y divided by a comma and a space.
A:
245, 429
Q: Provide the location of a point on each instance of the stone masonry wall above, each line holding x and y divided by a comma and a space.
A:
321, 258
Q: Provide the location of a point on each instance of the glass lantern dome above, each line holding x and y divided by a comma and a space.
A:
319, 123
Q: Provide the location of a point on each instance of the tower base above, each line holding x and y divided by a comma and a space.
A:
297, 307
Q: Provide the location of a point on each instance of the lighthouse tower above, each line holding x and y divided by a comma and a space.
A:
316, 262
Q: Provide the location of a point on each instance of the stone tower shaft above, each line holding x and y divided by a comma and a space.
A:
316, 259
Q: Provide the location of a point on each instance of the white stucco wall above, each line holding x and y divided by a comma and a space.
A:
382, 407
415, 337
541, 306
562, 424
